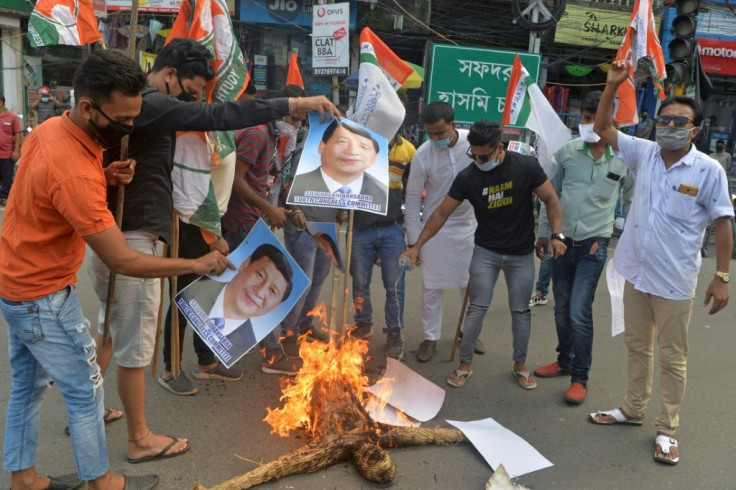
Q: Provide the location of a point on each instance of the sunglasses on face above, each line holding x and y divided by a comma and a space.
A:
480, 158
680, 121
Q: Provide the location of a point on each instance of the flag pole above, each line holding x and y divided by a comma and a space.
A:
335, 294
120, 199
349, 252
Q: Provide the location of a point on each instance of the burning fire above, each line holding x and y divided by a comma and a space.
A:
327, 368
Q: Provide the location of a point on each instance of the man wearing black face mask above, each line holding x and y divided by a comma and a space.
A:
721, 156
678, 189
645, 126
182, 69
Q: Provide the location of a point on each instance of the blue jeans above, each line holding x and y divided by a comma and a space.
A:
316, 266
386, 243
49, 339
575, 276
544, 276
484, 269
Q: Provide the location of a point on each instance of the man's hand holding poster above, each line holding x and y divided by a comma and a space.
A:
234, 311
325, 236
343, 165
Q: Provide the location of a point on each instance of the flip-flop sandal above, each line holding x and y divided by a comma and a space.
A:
146, 482
105, 416
161, 454
519, 375
665, 442
460, 378
618, 418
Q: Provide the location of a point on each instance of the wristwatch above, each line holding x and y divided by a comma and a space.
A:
725, 276
558, 236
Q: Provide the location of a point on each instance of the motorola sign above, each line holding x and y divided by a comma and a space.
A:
718, 56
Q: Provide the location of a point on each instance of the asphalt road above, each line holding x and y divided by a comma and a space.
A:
224, 421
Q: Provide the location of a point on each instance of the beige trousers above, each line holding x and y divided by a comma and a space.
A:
644, 315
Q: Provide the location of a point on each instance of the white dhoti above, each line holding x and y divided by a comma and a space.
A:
446, 256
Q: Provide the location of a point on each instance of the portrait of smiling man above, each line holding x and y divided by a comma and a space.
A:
262, 282
346, 152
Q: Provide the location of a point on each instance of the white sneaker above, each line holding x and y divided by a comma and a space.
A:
538, 299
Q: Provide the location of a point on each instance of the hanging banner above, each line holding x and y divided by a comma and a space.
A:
285, 12
160, 6
585, 26
330, 39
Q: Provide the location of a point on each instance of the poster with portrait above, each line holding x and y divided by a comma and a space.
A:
343, 165
324, 234
232, 312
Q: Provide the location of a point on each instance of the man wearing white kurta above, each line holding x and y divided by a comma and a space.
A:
446, 258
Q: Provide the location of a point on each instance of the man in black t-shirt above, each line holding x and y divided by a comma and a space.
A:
499, 186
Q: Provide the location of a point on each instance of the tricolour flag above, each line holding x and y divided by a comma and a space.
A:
646, 53
70, 22
381, 73
527, 106
195, 197
293, 75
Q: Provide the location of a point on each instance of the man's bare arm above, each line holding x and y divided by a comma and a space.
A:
276, 215
110, 246
617, 74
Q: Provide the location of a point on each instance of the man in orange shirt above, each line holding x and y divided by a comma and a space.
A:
60, 204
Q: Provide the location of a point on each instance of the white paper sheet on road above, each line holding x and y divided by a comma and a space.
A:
616, 283
408, 391
498, 445
382, 412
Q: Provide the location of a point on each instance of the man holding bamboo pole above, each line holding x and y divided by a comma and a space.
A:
59, 205
181, 71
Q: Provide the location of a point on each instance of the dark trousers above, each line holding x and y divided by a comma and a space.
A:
191, 246
7, 169
575, 277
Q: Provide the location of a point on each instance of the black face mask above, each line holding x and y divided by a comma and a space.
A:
110, 135
719, 148
644, 117
184, 96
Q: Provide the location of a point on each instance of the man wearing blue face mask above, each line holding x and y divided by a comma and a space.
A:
445, 261
499, 185
46, 105
678, 189
587, 182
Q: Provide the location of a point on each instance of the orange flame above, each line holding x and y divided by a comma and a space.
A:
326, 367
358, 303
320, 311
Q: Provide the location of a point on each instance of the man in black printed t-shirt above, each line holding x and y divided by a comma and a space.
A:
499, 186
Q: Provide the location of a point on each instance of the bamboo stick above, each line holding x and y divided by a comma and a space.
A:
175, 358
460, 321
348, 253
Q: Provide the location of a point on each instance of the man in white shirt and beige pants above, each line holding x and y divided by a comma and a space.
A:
678, 189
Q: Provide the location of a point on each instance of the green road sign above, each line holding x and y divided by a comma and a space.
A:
474, 80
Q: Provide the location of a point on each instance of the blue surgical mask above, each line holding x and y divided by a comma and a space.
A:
442, 144
488, 166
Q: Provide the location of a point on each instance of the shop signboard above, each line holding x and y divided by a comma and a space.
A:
330, 39
156, 6
474, 80
100, 8
18, 5
260, 71
717, 20
586, 26
284, 12
718, 56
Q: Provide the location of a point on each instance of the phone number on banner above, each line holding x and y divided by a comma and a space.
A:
330, 71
